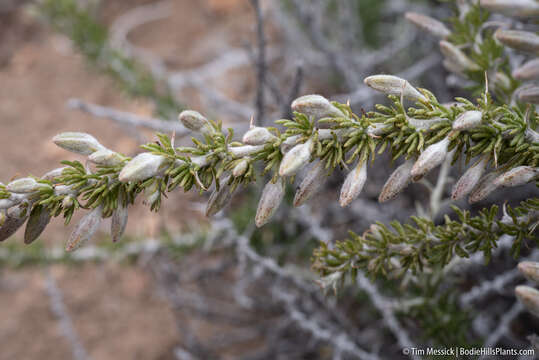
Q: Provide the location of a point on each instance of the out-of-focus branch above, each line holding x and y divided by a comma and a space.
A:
340, 341
134, 120
134, 18
503, 326
66, 325
126, 118
385, 307
261, 64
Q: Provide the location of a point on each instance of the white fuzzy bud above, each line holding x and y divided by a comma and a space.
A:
483, 188
353, 184
85, 229
118, 222
78, 143
244, 150
142, 167
430, 25
519, 40
399, 179
316, 106
467, 120
6, 203
529, 297
219, 198
271, 198
530, 269
519, 175
37, 222
194, 121
258, 136
312, 182
501, 80
199, 161
14, 199
296, 158
424, 124
24, 186
393, 85
53, 174
529, 95
456, 58
430, 158
240, 168
527, 71
106, 157
469, 179
521, 8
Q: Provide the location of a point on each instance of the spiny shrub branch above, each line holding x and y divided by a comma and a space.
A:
327, 133
394, 250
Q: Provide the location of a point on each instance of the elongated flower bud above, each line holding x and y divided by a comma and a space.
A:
11, 225
423, 124
53, 174
37, 222
296, 158
24, 185
430, 25
219, 198
399, 179
456, 58
106, 157
240, 168
431, 157
469, 179
530, 269
353, 184
519, 175
85, 229
483, 189
76, 142
393, 85
529, 297
527, 71
142, 166
467, 120
258, 136
521, 8
14, 199
194, 121
244, 150
118, 222
311, 184
529, 95
520, 40
271, 198
501, 80
316, 106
